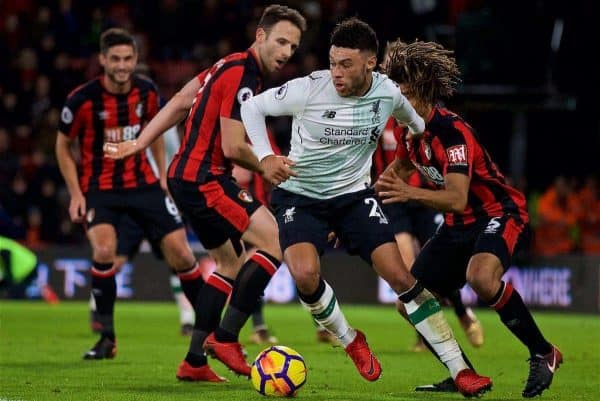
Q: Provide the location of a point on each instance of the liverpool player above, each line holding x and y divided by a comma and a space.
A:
115, 107
338, 115
485, 219
222, 214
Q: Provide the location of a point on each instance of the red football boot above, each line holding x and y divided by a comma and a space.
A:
367, 364
187, 372
230, 354
470, 384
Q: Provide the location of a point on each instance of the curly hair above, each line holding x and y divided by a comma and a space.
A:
426, 68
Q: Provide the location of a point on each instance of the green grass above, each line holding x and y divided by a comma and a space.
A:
41, 348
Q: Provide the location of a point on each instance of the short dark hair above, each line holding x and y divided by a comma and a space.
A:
114, 37
353, 33
275, 13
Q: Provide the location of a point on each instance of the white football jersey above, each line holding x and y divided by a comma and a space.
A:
333, 137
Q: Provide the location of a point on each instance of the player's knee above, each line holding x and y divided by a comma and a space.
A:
177, 251
306, 278
179, 256
399, 280
480, 281
104, 253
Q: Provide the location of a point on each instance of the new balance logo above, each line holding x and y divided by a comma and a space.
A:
329, 114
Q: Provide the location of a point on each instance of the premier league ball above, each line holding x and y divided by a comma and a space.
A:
278, 371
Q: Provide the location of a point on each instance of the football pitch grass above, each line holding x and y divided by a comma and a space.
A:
41, 348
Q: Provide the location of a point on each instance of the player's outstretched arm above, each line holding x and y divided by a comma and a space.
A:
405, 113
253, 117
235, 147
171, 114
275, 169
288, 99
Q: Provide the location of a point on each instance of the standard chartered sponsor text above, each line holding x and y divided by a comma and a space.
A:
347, 131
343, 141
361, 136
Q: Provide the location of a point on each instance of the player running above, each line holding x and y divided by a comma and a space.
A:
485, 219
221, 213
112, 108
338, 116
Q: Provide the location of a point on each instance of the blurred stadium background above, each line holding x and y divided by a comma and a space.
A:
529, 88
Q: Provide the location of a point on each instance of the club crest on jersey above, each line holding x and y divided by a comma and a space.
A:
66, 115
288, 215
376, 119
89, 216
281, 92
245, 196
244, 94
103, 115
427, 150
457, 155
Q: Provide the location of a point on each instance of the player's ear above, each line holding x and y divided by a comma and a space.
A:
102, 59
371, 62
261, 35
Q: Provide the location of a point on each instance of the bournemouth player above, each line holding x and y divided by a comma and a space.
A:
222, 214
338, 116
413, 224
129, 239
485, 219
115, 107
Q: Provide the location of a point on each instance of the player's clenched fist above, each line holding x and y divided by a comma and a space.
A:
276, 169
119, 150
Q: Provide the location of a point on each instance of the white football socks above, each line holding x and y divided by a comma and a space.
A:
425, 314
326, 311
186, 310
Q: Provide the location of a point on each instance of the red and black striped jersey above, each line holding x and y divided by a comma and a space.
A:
449, 145
94, 116
224, 87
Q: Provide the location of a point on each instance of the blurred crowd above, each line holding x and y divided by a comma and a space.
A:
566, 217
47, 48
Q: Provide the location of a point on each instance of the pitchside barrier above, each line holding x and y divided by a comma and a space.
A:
570, 283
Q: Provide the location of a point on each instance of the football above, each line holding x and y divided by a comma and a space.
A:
278, 371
